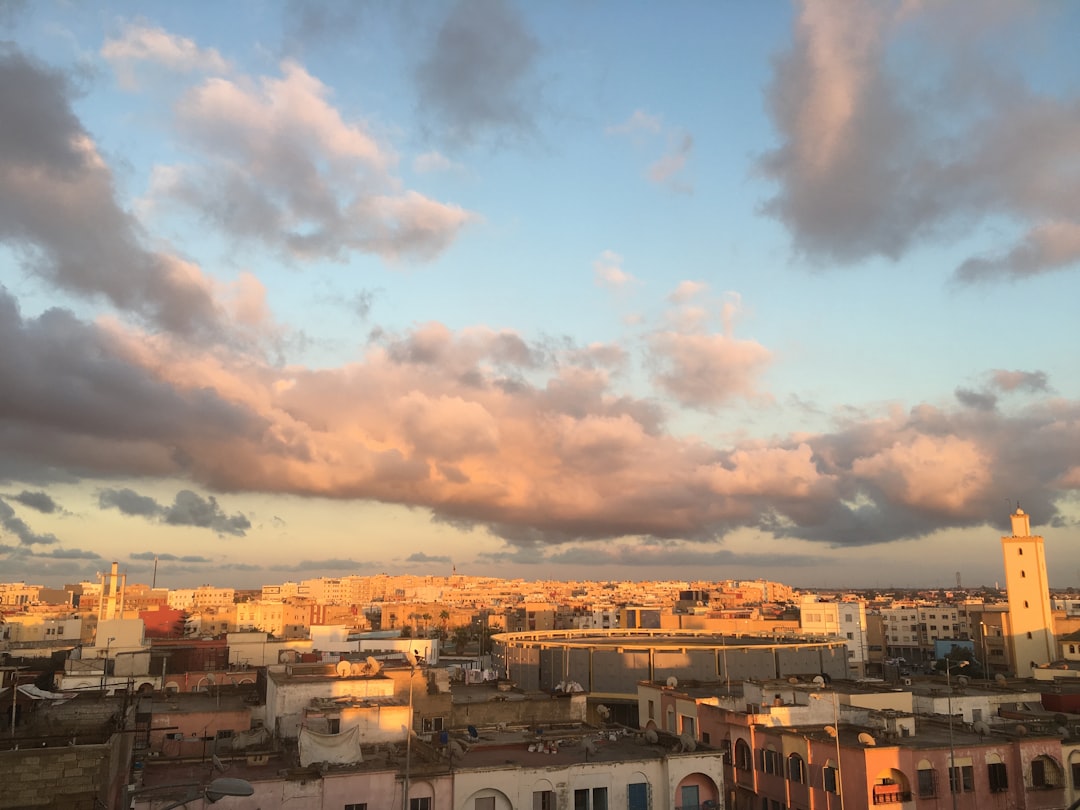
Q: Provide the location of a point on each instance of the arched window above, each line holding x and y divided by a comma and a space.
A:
1020, 552
743, 760
1023, 575
796, 769
1072, 649
1025, 603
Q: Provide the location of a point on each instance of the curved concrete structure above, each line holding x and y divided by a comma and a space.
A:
609, 663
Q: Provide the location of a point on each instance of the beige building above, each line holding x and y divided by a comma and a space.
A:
1031, 630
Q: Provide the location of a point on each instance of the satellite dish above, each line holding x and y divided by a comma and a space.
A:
672, 681
792, 679
411, 658
474, 733
590, 747
651, 736
210, 678
456, 749
981, 728
603, 711
218, 764
819, 682
1062, 731
687, 742
357, 668
963, 680
830, 730
1001, 679
344, 669
866, 739
1020, 730
374, 665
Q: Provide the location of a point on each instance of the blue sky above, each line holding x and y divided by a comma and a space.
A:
547, 290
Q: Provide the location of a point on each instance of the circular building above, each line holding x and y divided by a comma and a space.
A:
610, 663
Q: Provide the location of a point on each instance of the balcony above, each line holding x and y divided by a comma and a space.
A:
890, 794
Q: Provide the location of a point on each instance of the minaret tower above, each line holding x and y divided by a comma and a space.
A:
1031, 625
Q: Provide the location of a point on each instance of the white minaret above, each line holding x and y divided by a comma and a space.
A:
1031, 624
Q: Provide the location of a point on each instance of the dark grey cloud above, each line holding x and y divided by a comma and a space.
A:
166, 557
71, 554
980, 400
479, 81
187, 509
421, 557
58, 209
72, 403
14, 525
311, 24
876, 162
38, 501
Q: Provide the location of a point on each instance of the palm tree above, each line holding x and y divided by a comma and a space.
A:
461, 637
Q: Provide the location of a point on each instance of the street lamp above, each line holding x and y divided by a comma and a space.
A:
954, 778
414, 659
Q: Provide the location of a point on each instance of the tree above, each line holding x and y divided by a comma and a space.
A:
461, 638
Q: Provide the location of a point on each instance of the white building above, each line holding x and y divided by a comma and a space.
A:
1031, 623
845, 619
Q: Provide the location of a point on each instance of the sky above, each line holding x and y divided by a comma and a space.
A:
597, 290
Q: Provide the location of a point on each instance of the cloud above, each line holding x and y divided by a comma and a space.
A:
421, 557
139, 44
874, 162
39, 501
59, 214
14, 525
1030, 381
478, 81
434, 162
187, 509
639, 122
71, 554
166, 557
698, 367
310, 23
280, 167
980, 400
668, 170
608, 271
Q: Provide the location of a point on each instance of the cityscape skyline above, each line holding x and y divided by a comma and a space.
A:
538, 291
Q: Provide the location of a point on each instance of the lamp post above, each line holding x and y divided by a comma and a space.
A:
836, 728
986, 660
954, 780
413, 659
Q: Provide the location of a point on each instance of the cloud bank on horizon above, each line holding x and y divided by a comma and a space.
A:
158, 316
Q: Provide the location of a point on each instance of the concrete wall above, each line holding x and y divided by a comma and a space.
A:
72, 777
569, 709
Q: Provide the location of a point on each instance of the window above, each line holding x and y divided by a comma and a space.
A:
962, 778
687, 725
1020, 552
597, 795
796, 769
999, 778
433, 724
333, 725
851, 636
1025, 603
356, 806
832, 784
1029, 634
652, 710
927, 783
770, 761
1045, 773
742, 755
420, 804
485, 803
224, 733
1022, 575
637, 796
545, 800
1076, 774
